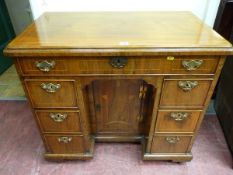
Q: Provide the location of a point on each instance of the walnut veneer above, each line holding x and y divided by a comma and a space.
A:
142, 77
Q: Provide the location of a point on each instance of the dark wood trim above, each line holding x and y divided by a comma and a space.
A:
223, 103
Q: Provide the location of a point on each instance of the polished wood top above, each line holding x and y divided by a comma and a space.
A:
154, 31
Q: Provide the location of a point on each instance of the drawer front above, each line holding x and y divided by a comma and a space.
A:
194, 65
50, 93
177, 120
64, 144
171, 144
119, 65
59, 121
185, 92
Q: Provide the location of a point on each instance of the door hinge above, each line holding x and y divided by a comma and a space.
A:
142, 91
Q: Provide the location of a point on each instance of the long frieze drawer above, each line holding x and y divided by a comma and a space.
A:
119, 65
64, 144
170, 144
185, 92
62, 121
177, 120
50, 93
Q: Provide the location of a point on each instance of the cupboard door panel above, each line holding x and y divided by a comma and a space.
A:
117, 106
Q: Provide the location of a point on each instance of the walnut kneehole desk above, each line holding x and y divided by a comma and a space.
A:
143, 77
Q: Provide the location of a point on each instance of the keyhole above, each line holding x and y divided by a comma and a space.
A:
187, 85
118, 62
97, 107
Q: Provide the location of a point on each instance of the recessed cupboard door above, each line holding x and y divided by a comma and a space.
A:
118, 106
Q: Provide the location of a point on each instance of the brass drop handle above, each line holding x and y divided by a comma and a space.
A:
190, 65
64, 139
50, 87
118, 62
187, 85
45, 65
58, 117
172, 139
179, 116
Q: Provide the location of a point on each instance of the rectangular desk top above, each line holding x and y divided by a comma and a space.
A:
151, 32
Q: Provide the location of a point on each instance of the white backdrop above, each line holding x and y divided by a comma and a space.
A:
206, 10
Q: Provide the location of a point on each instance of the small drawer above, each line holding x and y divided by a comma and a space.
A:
90, 65
177, 120
194, 65
171, 144
185, 92
59, 121
118, 65
50, 93
64, 144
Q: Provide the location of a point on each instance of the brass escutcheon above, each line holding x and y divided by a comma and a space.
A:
118, 62
50, 87
192, 64
172, 139
179, 116
187, 85
64, 139
45, 65
58, 117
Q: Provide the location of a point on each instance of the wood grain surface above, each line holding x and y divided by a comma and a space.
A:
159, 32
